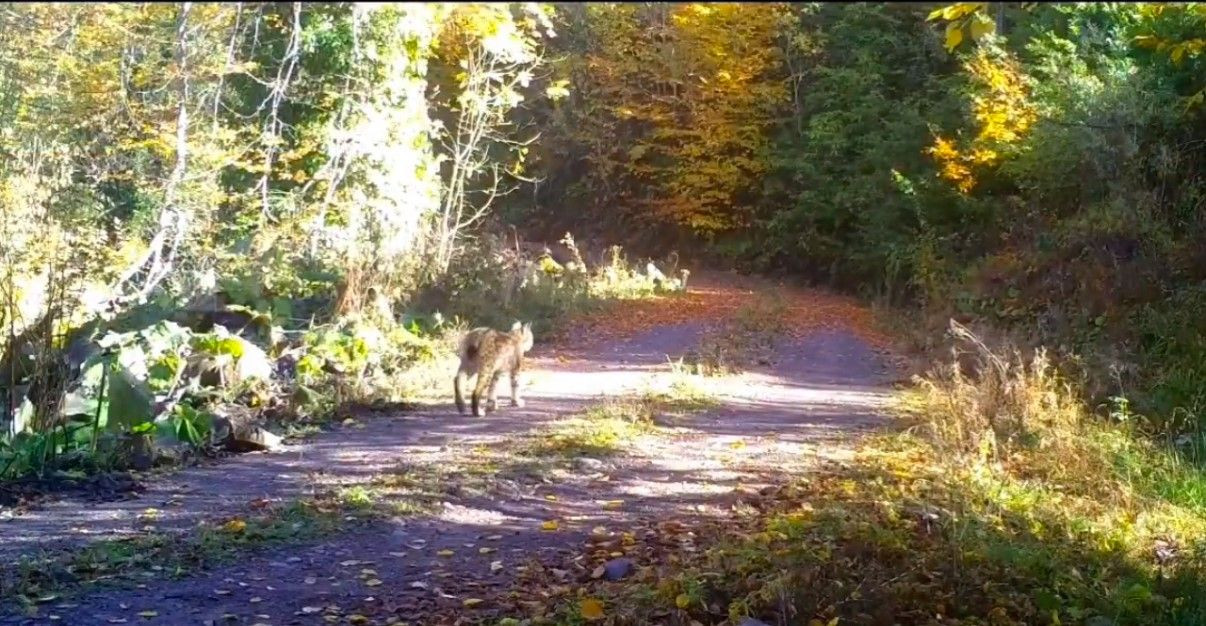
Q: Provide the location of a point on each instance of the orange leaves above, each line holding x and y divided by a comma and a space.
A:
590, 609
713, 300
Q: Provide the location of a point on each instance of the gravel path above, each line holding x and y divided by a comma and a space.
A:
824, 389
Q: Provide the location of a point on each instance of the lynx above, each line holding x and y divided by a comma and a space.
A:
486, 353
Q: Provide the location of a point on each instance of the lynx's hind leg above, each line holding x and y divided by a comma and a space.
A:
516, 399
458, 384
492, 394
480, 389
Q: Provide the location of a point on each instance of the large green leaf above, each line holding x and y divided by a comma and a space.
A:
130, 400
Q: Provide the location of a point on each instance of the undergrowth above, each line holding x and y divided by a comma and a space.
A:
1006, 501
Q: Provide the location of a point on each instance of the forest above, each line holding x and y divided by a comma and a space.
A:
240, 227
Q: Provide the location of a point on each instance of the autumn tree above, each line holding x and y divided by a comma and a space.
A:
670, 106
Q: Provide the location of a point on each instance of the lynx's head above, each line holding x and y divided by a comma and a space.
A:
524, 332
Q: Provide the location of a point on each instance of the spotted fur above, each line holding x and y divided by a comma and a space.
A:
486, 354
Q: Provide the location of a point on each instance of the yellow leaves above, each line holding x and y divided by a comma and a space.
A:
550, 266
682, 601
557, 90
1004, 113
1178, 51
445, 553
981, 25
955, 11
984, 156
590, 609
235, 526
1177, 54
954, 36
470, 603
550, 525
961, 16
943, 149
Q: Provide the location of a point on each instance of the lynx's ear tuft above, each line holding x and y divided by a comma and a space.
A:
517, 325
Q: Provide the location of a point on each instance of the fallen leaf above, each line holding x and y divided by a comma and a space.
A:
445, 553
549, 525
372, 582
682, 601
311, 609
235, 525
485, 550
349, 563
590, 609
550, 497
496, 566
256, 599
471, 602
613, 504
148, 614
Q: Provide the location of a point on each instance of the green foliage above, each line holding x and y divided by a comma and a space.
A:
284, 159
875, 86
497, 286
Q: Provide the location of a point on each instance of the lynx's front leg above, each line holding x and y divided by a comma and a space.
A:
516, 400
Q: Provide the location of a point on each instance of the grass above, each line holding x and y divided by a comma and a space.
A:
613, 427
1005, 501
605, 430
